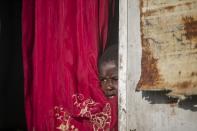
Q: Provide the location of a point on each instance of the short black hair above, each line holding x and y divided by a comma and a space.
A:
110, 54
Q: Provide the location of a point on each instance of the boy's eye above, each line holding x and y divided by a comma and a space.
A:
114, 78
104, 80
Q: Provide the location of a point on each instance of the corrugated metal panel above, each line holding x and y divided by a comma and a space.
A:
169, 46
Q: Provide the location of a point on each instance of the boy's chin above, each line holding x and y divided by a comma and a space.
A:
112, 97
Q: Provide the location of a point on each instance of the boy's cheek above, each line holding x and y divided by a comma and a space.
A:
103, 86
116, 86
103, 89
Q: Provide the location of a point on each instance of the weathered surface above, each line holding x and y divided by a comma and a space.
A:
169, 46
147, 112
122, 100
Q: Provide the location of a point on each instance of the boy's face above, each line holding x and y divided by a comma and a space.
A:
109, 78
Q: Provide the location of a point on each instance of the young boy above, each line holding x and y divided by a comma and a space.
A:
108, 71
108, 74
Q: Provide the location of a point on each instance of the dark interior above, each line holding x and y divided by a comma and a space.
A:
12, 116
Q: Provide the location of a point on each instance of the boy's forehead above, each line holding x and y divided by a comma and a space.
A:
108, 66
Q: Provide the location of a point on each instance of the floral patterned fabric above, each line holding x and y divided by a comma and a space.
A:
61, 40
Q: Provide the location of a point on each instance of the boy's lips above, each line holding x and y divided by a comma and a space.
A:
110, 95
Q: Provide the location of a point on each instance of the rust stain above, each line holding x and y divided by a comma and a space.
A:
190, 27
149, 71
150, 74
170, 8
154, 73
188, 4
141, 6
183, 85
149, 12
194, 74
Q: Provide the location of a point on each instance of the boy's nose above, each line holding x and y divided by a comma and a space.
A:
109, 82
109, 87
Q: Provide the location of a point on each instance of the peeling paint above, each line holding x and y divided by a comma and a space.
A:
169, 46
150, 74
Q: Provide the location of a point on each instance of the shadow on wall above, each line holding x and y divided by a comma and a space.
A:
160, 97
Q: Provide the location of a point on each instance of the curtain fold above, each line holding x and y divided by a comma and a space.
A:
61, 40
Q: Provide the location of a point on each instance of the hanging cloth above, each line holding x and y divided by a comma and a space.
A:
60, 41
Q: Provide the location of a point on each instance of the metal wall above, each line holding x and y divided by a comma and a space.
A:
146, 110
169, 46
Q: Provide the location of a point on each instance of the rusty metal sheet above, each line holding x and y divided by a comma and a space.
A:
169, 46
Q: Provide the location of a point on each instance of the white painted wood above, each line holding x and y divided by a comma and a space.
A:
122, 65
134, 62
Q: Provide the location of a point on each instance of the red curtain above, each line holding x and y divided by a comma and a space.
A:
61, 40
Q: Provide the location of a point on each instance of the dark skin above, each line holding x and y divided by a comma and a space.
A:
108, 74
109, 78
